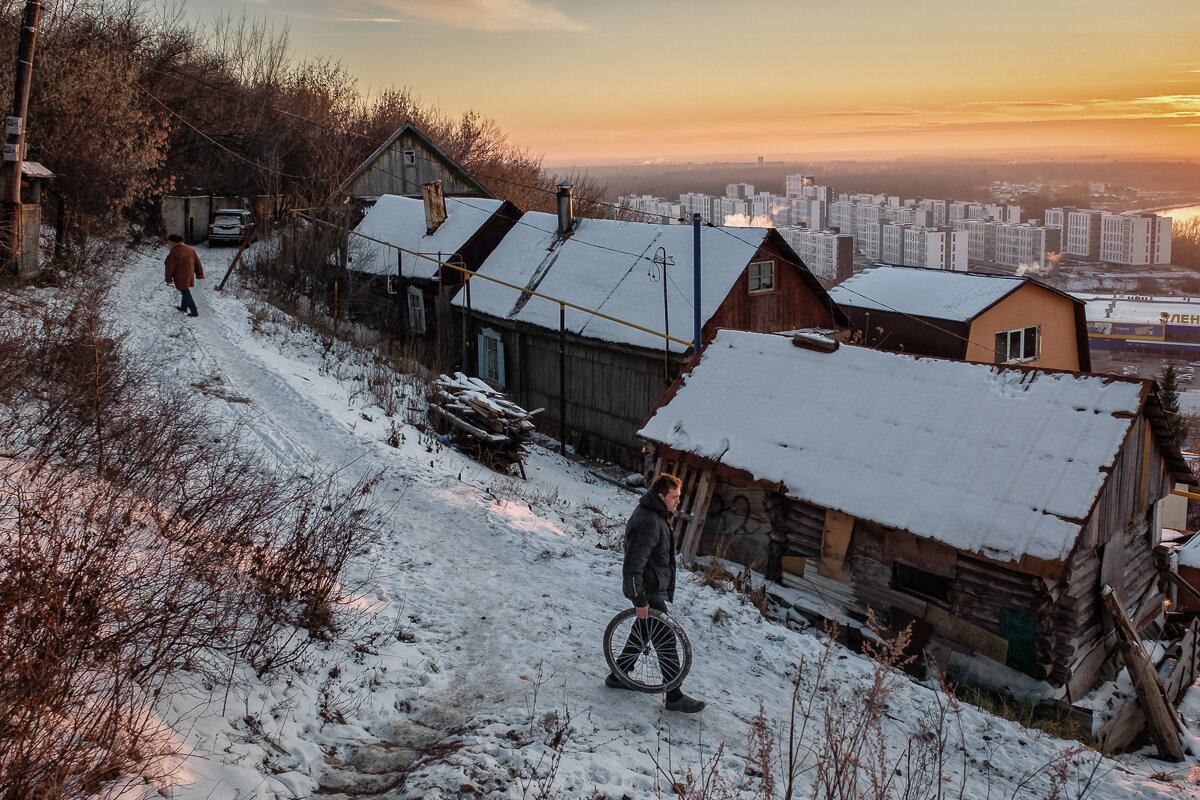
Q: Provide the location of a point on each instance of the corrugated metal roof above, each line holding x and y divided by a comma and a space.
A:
33, 169
999, 461
606, 265
934, 293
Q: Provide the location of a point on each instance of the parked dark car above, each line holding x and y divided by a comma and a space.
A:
230, 225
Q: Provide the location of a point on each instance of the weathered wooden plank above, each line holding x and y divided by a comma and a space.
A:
835, 541
1161, 721
691, 539
982, 641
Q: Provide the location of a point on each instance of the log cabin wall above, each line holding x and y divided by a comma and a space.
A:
738, 525
1116, 548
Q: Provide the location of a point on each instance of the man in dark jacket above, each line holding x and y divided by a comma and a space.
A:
183, 267
648, 580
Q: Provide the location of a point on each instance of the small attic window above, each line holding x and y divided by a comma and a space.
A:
410, 158
762, 276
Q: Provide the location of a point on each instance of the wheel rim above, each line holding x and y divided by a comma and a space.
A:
650, 645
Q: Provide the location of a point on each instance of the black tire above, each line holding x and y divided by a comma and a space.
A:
646, 675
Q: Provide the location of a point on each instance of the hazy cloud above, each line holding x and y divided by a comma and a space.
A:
873, 112
485, 15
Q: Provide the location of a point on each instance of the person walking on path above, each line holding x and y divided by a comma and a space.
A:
648, 580
183, 267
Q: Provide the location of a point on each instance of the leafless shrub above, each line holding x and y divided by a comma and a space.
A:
137, 539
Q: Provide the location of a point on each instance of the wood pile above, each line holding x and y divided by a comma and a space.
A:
481, 421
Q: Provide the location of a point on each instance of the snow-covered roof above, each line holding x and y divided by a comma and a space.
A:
1140, 311
998, 461
1189, 554
607, 266
401, 221
936, 293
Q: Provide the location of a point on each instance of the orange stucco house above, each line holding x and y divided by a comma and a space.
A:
969, 316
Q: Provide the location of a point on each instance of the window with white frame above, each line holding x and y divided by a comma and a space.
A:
762, 276
491, 357
1019, 345
416, 310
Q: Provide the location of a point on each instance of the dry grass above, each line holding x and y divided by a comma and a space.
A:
137, 539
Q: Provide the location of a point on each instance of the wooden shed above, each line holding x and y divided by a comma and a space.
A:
403, 164
404, 288
971, 316
598, 360
986, 505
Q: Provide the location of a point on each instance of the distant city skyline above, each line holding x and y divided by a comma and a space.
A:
592, 83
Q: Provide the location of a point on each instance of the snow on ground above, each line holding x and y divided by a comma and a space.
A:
477, 620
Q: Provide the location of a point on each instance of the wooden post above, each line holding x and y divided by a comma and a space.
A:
234, 263
691, 537
1161, 720
562, 378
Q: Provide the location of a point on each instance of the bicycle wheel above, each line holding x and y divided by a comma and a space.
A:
652, 655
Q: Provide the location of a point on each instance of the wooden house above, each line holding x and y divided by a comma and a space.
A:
970, 316
572, 315
986, 505
403, 164
396, 260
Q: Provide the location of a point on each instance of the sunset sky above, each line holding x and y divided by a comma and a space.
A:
601, 81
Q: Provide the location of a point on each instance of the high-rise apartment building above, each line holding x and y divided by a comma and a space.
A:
827, 255
794, 184
1135, 239
1025, 244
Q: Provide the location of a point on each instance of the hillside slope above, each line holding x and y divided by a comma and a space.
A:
471, 664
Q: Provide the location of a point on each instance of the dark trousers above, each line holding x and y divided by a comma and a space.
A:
186, 302
661, 638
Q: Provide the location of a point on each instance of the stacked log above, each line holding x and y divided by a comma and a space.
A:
481, 421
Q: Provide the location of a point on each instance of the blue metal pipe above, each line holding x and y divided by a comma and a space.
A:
696, 282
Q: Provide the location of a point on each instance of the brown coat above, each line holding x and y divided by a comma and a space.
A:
183, 266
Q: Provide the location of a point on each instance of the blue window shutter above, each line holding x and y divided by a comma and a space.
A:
481, 350
500, 361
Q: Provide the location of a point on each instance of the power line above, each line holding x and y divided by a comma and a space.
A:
477, 175
214, 141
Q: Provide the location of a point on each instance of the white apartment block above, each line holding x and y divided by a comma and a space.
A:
813, 213
1135, 239
1082, 233
647, 208
692, 203
827, 255
793, 185
723, 207
891, 243
739, 191
938, 213
981, 238
920, 246
1025, 244
868, 229
841, 216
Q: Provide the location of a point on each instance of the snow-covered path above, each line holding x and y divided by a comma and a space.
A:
479, 617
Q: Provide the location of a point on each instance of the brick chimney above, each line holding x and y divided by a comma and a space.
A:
435, 206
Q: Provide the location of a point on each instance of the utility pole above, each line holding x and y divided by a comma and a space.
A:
696, 222
14, 147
